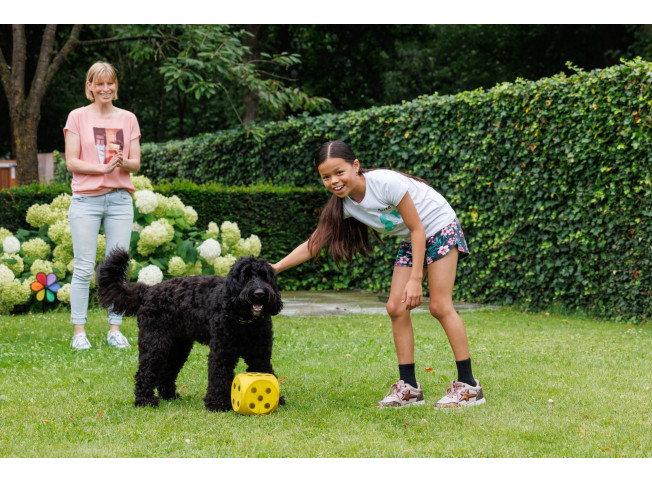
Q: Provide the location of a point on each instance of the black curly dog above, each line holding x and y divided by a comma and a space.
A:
231, 315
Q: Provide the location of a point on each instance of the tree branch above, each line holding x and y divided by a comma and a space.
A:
38, 87
71, 43
5, 74
113, 40
18, 60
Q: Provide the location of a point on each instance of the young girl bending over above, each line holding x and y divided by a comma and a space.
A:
396, 204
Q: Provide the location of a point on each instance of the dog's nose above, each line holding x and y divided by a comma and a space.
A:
259, 293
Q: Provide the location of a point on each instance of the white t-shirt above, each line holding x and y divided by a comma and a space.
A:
384, 191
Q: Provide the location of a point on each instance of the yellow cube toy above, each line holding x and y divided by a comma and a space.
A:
254, 393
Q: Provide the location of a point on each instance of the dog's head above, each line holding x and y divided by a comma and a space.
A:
252, 290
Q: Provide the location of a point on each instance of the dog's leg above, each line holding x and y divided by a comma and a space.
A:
177, 357
221, 365
151, 359
262, 362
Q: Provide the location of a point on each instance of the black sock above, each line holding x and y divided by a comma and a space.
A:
406, 372
464, 373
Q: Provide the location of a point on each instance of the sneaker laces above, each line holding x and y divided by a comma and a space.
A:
395, 388
454, 389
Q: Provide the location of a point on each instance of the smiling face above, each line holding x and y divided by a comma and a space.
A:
341, 179
103, 90
101, 83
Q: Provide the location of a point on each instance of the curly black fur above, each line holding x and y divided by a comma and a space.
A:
231, 315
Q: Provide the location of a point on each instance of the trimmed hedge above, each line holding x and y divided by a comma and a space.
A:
550, 179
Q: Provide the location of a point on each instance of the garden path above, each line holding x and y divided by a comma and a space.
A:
331, 302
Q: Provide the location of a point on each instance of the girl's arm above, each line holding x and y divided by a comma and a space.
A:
413, 294
296, 257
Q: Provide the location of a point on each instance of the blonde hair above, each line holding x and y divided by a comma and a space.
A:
100, 70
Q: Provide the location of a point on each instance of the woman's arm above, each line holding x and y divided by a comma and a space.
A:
296, 257
413, 294
76, 165
132, 164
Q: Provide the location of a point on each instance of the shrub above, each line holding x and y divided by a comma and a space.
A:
164, 243
550, 179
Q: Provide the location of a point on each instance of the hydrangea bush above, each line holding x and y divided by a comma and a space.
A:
164, 244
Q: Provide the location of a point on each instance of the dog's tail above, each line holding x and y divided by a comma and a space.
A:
113, 290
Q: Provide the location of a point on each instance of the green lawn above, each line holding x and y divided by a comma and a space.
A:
556, 386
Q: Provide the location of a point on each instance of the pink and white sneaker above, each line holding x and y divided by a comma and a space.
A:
460, 395
402, 394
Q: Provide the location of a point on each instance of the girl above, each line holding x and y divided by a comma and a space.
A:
396, 204
102, 148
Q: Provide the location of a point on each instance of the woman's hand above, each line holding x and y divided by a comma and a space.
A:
412, 295
113, 163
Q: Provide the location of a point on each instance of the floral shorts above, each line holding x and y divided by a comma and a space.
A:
437, 246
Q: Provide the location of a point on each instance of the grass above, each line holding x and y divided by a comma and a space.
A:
56, 402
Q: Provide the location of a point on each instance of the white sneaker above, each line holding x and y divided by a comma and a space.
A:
460, 395
116, 339
402, 394
80, 342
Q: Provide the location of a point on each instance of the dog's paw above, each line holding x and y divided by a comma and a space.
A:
147, 401
281, 400
217, 407
169, 395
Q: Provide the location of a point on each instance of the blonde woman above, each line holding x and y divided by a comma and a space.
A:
102, 148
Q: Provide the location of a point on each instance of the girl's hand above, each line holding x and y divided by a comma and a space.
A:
412, 295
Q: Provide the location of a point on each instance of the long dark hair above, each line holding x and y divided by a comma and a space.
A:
344, 238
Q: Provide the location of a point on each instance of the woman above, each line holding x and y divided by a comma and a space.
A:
102, 148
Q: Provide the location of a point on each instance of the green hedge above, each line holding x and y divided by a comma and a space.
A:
550, 179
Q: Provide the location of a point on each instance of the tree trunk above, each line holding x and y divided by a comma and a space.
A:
250, 100
25, 148
25, 111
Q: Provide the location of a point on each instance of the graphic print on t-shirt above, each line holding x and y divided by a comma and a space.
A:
108, 142
390, 224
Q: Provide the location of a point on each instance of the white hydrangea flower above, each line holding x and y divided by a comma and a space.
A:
44, 266
63, 254
11, 244
4, 233
162, 206
38, 215
194, 268
146, 201
255, 246
18, 267
12, 293
230, 233
222, 265
61, 202
6, 275
64, 294
137, 227
213, 230
60, 232
175, 203
36, 248
176, 266
190, 215
141, 183
150, 275
209, 250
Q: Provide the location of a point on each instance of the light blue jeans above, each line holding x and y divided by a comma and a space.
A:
116, 212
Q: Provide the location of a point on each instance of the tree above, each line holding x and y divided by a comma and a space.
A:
198, 61
25, 109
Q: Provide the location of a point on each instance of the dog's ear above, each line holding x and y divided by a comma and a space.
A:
235, 278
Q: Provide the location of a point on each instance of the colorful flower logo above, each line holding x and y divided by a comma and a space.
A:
45, 286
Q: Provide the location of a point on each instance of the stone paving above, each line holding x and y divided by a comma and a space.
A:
330, 302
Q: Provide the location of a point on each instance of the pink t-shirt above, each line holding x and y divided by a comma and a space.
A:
100, 140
